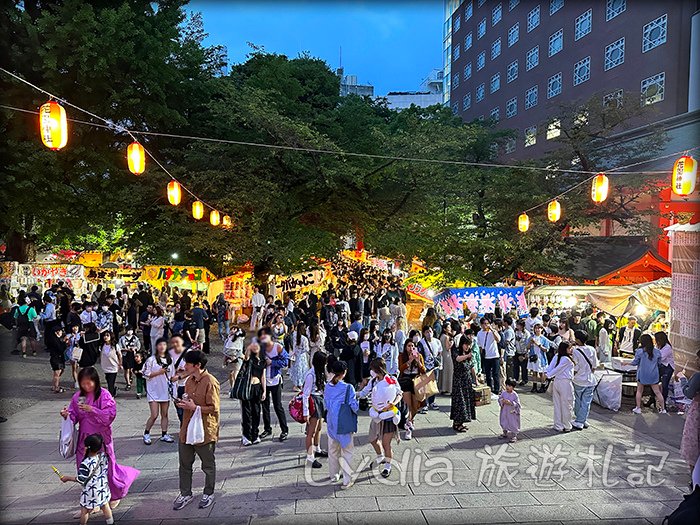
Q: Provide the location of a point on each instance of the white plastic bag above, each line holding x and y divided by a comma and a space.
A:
195, 428
67, 438
608, 393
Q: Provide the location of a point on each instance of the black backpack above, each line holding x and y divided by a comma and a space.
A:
687, 512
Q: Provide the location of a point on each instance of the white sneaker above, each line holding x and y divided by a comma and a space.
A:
167, 438
408, 435
257, 441
76, 385
636, 410
494, 397
206, 501
663, 411
245, 441
182, 501
147, 439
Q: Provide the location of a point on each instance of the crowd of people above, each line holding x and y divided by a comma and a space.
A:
346, 348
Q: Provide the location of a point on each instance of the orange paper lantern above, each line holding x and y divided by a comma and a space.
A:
197, 210
685, 173
554, 211
214, 218
523, 222
226, 221
53, 125
136, 156
174, 193
599, 188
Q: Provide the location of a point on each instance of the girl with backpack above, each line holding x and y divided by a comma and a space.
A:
336, 394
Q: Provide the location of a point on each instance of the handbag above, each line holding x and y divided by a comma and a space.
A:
67, 438
241, 386
425, 386
534, 358
296, 408
347, 418
195, 428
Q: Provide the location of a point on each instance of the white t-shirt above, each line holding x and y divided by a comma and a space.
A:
270, 353
487, 341
583, 375
530, 322
158, 386
667, 355
109, 360
180, 367
258, 300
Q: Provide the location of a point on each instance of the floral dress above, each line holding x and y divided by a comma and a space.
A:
300, 365
463, 406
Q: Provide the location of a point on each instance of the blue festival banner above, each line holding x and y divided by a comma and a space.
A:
480, 299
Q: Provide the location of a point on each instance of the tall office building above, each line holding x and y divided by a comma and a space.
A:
450, 7
517, 61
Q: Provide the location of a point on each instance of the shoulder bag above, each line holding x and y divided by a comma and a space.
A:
241, 386
347, 418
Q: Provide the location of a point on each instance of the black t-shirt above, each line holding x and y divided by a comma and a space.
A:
90, 343
191, 328
257, 367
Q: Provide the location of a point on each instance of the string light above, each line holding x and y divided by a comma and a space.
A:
214, 218
685, 172
197, 210
174, 193
599, 188
136, 157
554, 211
523, 222
53, 125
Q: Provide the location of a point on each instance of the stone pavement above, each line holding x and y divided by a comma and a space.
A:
446, 478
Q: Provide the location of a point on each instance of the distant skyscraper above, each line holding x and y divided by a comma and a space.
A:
349, 85
450, 7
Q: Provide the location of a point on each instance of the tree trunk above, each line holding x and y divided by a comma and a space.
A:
20, 248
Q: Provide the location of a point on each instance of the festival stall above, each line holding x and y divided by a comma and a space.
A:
298, 283
456, 302
114, 278
237, 290
194, 278
8, 274
45, 275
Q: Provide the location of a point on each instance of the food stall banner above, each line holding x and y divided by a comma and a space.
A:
301, 281
237, 289
481, 299
128, 275
52, 271
176, 273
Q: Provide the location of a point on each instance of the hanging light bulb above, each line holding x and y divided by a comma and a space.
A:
226, 221
174, 193
523, 222
53, 125
599, 188
197, 210
136, 156
685, 173
214, 218
554, 211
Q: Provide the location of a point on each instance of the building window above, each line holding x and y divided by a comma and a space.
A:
512, 4
496, 48
614, 8
510, 145
468, 71
512, 107
512, 72
480, 92
455, 80
615, 54
653, 89
513, 34
582, 71
457, 23
496, 14
556, 42
495, 83
654, 33
466, 101
583, 25
468, 40
481, 29
555, 5
533, 19
530, 136
481, 2
496, 114
613, 99
531, 97
554, 85
480, 61
468, 11
532, 58
455, 109
553, 129
455, 53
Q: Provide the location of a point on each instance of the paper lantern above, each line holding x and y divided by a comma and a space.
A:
599, 188
523, 222
174, 193
197, 210
214, 218
226, 221
554, 211
53, 125
136, 156
685, 172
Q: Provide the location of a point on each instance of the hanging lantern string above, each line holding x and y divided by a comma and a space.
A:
132, 133
612, 171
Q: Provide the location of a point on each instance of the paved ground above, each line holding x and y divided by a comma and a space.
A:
445, 478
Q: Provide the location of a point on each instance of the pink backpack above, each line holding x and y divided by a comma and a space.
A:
296, 408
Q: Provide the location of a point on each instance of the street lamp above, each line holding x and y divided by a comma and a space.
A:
174, 256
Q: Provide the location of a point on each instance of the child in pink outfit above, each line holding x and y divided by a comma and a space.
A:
510, 411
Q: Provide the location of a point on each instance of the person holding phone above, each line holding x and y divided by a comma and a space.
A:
488, 340
411, 365
158, 370
251, 407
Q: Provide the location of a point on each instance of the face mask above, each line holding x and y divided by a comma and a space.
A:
373, 374
129, 333
105, 308
415, 338
366, 337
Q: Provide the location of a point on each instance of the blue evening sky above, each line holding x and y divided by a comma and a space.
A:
391, 45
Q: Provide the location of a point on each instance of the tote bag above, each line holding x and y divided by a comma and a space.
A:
425, 386
67, 438
195, 428
347, 419
241, 386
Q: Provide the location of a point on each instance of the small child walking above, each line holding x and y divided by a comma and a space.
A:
138, 374
92, 475
509, 402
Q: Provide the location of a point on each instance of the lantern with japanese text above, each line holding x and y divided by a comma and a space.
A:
136, 156
174, 193
226, 221
685, 172
214, 218
554, 211
599, 188
523, 222
53, 125
197, 210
